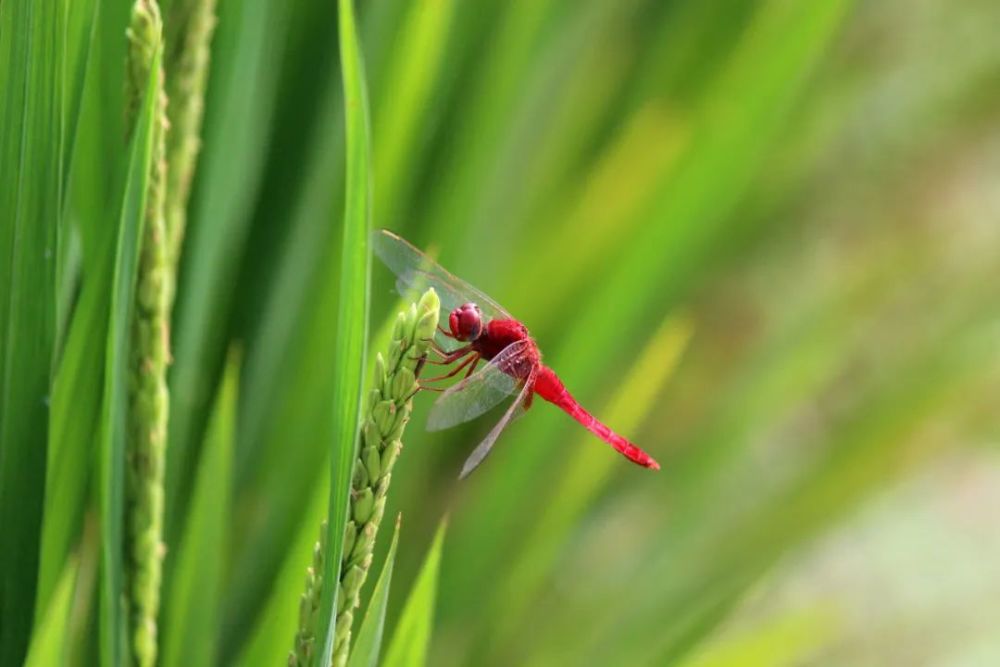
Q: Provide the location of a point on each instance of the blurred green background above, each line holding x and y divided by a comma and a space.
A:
762, 239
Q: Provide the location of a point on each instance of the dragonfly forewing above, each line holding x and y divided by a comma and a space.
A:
515, 410
415, 272
481, 391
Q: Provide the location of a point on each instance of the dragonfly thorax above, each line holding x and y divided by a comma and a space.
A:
466, 322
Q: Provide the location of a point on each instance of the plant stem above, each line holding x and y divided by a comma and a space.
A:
149, 354
190, 26
388, 410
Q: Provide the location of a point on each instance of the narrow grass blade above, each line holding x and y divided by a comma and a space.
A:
400, 119
368, 643
192, 611
245, 66
509, 62
284, 402
76, 385
80, 36
113, 625
352, 325
49, 640
76, 407
412, 636
81, 629
31, 152
267, 643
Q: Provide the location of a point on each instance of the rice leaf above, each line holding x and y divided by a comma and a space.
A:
244, 67
400, 119
31, 154
368, 642
76, 385
193, 604
352, 325
49, 640
267, 643
412, 637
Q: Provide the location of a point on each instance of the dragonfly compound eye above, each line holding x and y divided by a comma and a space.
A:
466, 322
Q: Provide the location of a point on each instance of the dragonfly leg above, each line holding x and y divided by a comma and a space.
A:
451, 357
472, 368
528, 399
436, 346
440, 362
420, 365
472, 358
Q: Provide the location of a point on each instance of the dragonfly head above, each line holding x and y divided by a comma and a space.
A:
466, 322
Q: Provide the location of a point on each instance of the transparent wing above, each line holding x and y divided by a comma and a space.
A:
515, 410
480, 391
415, 271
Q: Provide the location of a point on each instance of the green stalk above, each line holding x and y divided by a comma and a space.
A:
149, 354
388, 410
189, 35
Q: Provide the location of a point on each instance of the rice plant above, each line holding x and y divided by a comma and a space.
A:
759, 238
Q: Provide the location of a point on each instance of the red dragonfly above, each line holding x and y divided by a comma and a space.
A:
487, 333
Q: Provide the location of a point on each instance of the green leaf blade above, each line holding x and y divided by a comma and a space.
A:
49, 640
192, 613
412, 638
244, 66
368, 643
353, 306
31, 153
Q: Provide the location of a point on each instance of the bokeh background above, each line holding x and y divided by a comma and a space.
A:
760, 238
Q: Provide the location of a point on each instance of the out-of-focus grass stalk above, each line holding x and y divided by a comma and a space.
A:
387, 412
412, 76
193, 23
149, 353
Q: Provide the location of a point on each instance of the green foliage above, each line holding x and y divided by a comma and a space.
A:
192, 612
368, 644
31, 162
756, 237
49, 640
411, 640
350, 347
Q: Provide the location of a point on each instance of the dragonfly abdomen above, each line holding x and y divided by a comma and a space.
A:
550, 387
